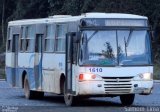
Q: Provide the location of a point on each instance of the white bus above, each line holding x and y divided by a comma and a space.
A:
94, 54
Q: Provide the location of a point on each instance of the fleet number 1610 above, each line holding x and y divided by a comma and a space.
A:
95, 69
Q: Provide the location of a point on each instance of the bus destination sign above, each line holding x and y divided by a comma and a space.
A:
114, 22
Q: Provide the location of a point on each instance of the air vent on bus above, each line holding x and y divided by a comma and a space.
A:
117, 85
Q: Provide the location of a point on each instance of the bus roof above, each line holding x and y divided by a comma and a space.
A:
68, 18
113, 15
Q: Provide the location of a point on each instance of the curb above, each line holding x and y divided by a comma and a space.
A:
156, 81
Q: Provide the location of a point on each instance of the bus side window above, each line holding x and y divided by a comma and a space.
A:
30, 35
38, 43
15, 42
60, 39
9, 45
9, 39
49, 40
22, 39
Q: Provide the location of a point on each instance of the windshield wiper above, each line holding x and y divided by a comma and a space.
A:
129, 37
92, 35
126, 43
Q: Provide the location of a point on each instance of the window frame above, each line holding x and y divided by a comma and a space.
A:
9, 39
22, 39
29, 39
49, 38
58, 38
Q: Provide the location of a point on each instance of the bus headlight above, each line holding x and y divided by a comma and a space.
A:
88, 76
146, 76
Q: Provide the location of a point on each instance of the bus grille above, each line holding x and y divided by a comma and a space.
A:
117, 85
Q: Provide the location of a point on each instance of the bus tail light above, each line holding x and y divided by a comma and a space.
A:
87, 76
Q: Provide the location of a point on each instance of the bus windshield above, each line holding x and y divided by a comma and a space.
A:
115, 47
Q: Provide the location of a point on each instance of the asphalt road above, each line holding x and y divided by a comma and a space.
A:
13, 100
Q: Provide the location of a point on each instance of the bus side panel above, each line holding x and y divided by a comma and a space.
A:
48, 65
27, 65
10, 69
11, 75
11, 79
59, 65
30, 76
53, 66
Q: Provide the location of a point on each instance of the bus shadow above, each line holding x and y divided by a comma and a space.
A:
53, 99
88, 102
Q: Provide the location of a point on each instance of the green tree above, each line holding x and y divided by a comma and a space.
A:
56, 7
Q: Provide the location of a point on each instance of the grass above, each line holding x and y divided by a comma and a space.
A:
2, 74
156, 72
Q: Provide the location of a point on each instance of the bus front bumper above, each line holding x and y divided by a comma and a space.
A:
117, 88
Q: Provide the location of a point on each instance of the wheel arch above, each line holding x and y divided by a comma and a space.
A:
62, 80
24, 73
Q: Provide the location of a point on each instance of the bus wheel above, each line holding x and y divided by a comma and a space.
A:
127, 99
28, 93
69, 99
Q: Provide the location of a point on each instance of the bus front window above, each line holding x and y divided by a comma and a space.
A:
100, 48
134, 47
115, 47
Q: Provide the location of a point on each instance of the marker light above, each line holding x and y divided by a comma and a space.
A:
86, 76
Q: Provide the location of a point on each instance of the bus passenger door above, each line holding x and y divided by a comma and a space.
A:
68, 69
15, 46
38, 61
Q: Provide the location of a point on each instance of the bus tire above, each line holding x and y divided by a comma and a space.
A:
28, 93
127, 99
69, 99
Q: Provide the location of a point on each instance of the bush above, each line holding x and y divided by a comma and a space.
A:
156, 72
